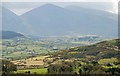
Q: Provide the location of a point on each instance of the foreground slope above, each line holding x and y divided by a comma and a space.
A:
105, 49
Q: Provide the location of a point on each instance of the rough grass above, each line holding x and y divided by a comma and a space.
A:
32, 61
106, 61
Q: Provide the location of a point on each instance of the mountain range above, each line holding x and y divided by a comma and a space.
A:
52, 20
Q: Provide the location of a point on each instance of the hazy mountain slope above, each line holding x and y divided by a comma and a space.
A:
93, 11
11, 21
53, 20
10, 34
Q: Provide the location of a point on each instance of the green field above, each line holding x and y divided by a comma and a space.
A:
34, 71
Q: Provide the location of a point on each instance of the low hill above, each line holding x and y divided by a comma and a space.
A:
96, 59
105, 49
10, 34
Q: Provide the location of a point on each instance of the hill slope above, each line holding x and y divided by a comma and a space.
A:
105, 49
10, 34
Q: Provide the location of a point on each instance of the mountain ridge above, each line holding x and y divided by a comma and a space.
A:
52, 20
60, 19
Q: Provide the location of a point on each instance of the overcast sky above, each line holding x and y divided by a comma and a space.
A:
21, 6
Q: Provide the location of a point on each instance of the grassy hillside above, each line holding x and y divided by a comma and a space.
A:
105, 49
99, 58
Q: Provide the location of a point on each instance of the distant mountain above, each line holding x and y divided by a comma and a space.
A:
53, 20
12, 22
92, 11
10, 34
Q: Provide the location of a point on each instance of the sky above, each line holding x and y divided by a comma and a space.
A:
21, 6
